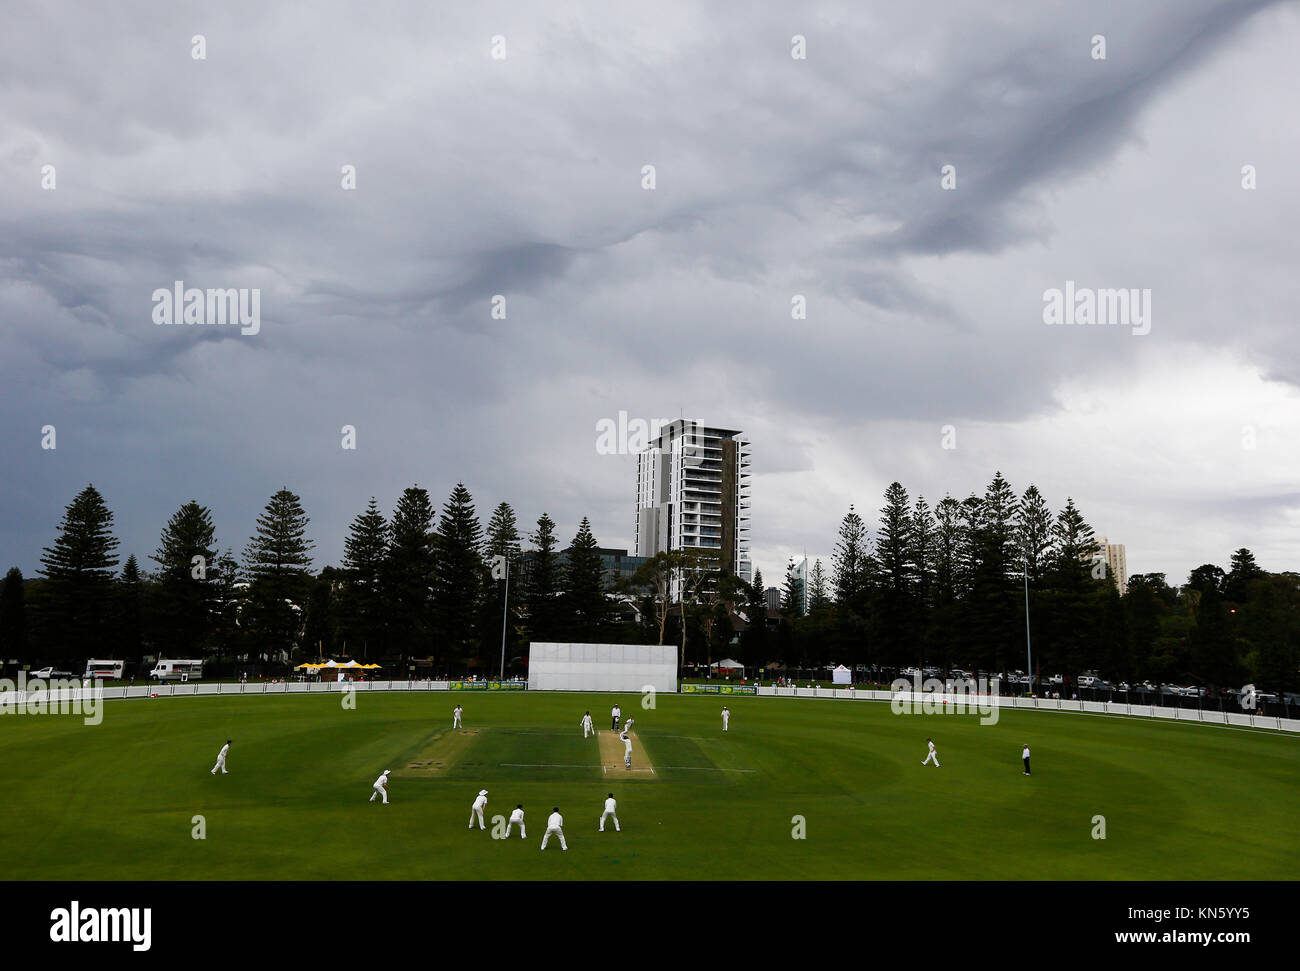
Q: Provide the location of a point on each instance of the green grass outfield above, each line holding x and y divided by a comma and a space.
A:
116, 801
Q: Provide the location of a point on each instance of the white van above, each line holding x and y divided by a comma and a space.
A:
177, 670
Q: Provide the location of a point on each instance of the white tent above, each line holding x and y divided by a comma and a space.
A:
842, 675
728, 662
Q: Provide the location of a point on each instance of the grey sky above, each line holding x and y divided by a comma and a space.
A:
775, 177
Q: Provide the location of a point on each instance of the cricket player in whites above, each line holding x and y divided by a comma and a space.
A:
627, 748
477, 809
221, 759
555, 824
610, 806
587, 728
933, 754
726, 717
381, 787
455, 716
517, 816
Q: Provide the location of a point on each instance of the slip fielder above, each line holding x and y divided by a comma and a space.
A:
555, 824
517, 817
477, 809
610, 806
381, 787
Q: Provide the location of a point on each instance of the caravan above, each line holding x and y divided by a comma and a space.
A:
104, 670
177, 670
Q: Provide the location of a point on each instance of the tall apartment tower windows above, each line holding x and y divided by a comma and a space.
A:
1116, 563
692, 492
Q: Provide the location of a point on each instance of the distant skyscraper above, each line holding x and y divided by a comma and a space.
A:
800, 569
692, 492
1116, 563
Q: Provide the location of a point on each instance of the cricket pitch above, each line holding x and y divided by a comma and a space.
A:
611, 756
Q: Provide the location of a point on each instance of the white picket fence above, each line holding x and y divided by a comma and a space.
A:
971, 701
1045, 704
190, 689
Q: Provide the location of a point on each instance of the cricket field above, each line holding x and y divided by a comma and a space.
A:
798, 789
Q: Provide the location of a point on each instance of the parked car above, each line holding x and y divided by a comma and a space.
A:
1056, 679
1122, 686
1090, 681
910, 672
49, 674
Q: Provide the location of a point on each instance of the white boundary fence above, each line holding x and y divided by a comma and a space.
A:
971, 701
190, 689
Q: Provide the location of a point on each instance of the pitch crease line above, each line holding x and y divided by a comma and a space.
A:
562, 765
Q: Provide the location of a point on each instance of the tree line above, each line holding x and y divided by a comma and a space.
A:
415, 584
940, 586
947, 587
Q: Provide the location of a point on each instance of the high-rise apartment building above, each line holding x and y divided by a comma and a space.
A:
799, 570
1116, 564
692, 492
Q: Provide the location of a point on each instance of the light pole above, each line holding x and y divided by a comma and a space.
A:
1029, 654
505, 612
501, 570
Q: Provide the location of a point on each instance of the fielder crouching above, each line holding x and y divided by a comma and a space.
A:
555, 824
517, 816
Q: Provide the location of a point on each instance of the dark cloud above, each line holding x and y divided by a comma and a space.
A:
522, 177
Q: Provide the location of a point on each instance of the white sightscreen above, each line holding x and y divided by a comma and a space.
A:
602, 667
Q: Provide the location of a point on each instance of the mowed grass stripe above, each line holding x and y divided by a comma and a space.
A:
436, 754
513, 754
